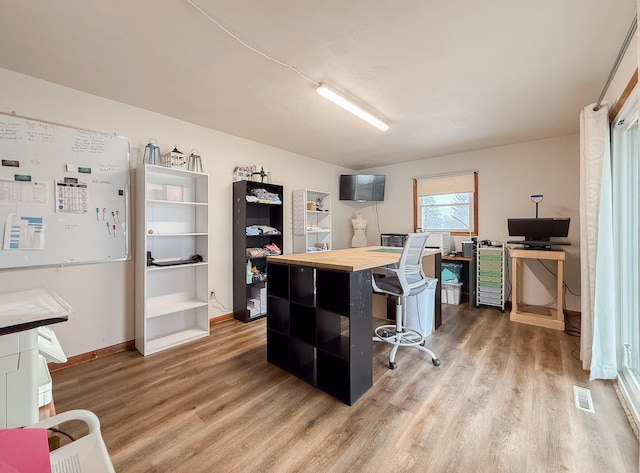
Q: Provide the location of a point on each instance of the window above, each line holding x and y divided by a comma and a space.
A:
447, 203
625, 176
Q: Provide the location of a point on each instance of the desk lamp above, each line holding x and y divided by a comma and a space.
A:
467, 246
537, 198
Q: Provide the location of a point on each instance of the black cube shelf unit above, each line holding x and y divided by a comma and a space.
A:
319, 327
246, 214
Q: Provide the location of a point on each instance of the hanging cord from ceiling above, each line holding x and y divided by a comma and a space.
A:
251, 48
616, 64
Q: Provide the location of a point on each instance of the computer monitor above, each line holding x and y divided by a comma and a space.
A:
538, 232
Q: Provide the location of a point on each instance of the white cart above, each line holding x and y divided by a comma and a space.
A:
21, 313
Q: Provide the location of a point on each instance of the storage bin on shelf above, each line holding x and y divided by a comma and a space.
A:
451, 272
451, 292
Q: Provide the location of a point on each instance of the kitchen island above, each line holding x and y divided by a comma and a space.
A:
320, 321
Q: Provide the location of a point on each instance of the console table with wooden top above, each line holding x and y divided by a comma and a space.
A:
320, 323
536, 315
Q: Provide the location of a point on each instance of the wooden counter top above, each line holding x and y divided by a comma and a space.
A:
350, 259
538, 254
457, 258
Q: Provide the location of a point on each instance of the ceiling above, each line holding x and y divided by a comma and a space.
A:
447, 77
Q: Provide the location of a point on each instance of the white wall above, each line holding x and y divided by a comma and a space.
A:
102, 295
625, 70
507, 177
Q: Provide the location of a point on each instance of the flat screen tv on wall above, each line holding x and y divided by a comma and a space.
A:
362, 187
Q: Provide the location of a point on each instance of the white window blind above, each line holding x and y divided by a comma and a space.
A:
446, 202
448, 184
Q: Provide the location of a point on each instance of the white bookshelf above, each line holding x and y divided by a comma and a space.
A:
172, 209
311, 221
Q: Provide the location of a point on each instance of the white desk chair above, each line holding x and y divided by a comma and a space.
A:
89, 451
408, 280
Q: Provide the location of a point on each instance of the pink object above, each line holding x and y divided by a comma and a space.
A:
24, 451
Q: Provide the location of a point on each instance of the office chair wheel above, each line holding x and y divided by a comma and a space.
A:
393, 365
435, 361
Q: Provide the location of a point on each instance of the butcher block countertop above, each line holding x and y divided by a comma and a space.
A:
350, 259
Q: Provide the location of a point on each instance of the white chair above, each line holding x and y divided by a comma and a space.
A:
408, 280
89, 451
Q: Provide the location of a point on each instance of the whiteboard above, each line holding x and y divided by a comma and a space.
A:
64, 194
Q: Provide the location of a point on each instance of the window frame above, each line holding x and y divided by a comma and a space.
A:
624, 173
474, 203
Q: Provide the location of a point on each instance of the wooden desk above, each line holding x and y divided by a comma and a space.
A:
319, 323
469, 275
534, 315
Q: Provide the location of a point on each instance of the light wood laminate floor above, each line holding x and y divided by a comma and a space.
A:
500, 402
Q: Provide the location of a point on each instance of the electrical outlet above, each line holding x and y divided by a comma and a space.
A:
212, 295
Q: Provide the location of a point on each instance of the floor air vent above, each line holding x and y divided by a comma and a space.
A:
582, 399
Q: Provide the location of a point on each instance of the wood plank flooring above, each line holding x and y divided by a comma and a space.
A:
501, 401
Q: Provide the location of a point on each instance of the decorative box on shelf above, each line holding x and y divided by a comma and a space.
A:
255, 173
175, 159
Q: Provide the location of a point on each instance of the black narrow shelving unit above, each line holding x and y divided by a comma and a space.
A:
246, 214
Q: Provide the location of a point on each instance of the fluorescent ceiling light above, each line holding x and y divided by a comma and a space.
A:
350, 107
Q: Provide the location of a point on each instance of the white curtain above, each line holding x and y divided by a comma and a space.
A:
598, 330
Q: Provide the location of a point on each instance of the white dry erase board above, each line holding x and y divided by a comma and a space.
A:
64, 194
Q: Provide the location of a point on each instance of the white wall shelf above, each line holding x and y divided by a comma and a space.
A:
160, 309
172, 268
159, 235
174, 339
171, 301
173, 202
311, 221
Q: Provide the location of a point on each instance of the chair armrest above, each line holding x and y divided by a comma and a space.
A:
83, 415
